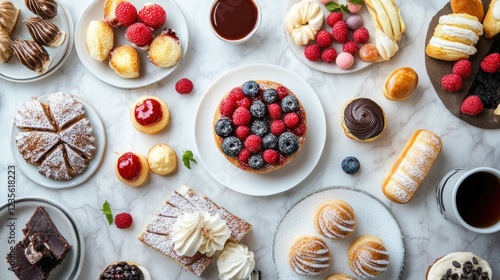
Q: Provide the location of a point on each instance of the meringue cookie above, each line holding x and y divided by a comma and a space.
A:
303, 21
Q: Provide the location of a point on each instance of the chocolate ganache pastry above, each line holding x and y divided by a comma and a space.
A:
44, 32
363, 119
9, 14
47, 9
31, 55
5, 47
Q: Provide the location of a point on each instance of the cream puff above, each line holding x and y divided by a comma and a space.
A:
162, 159
120, 270
340, 276
335, 219
400, 84
309, 256
368, 257
149, 114
363, 119
132, 169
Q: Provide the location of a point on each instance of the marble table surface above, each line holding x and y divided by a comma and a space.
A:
427, 234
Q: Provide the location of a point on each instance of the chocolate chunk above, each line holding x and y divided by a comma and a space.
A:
474, 260
456, 264
467, 267
454, 276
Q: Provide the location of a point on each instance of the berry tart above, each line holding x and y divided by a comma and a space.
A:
132, 169
260, 126
149, 114
125, 270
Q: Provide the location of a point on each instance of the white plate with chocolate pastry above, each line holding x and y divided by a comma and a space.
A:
72, 147
336, 217
34, 57
24, 220
246, 181
143, 71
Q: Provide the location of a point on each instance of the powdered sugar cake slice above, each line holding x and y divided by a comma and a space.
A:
76, 162
33, 145
80, 137
157, 234
54, 166
33, 116
64, 108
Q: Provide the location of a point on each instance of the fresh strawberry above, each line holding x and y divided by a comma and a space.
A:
491, 63
312, 52
126, 13
184, 86
451, 82
140, 35
340, 32
472, 105
463, 68
123, 220
153, 15
324, 39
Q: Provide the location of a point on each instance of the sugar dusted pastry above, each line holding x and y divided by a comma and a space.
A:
335, 219
132, 169
9, 15
99, 40
44, 32
309, 256
340, 276
165, 50
125, 61
303, 21
64, 109
32, 55
162, 159
5, 47
368, 256
459, 263
491, 22
236, 262
46, 9
149, 114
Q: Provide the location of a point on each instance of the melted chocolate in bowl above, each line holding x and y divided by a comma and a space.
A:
234, 19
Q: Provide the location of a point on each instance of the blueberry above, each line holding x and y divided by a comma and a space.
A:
224, 127
258, 109
270, 141
288, 143
256, 162
250, 88
231, 146
270, 95
259, 127
289, 104
350, 165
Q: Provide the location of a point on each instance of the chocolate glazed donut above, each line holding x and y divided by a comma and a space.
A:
363, 119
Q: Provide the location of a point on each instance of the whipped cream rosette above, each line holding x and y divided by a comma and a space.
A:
235, 262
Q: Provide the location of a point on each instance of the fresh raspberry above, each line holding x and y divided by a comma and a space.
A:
244, 155
139, 34
472, 105
246, 102
153, 15
350, 47
242, 132
324, 39
300, 130
451, 82
328, 55
312, 52
361, 35
282, 92
274, 111
491, 63
227, 107
278, 127
333, 17
126, 13
123, 220
462, 68
340, 32
291, 120
184, 86
241, 116
253, 143
236, 93
270, 156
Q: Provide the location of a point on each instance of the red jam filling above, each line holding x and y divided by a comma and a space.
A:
129, 166
148, 112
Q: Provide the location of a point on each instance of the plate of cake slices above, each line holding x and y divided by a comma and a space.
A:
142, 72
52, 234
42, 39
340, 221
244, 180
60, 151
479, 83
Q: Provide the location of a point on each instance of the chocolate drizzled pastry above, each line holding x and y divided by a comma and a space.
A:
47, 9
363, 119
5, 47
32, 55
44, 32
9, 14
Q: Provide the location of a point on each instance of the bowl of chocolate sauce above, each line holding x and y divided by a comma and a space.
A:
234, 21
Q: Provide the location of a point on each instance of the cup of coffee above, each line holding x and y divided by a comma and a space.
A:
471, 198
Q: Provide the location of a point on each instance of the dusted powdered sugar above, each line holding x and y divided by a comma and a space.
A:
54, 166
370, 260
33, 116
336, 220
64, 108
76, 162
80, 137
309, 256
398, 192
33, 145
405, 181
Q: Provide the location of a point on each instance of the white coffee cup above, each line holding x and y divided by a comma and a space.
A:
471, 198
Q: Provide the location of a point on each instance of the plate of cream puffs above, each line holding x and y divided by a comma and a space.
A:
127, 49
338, 230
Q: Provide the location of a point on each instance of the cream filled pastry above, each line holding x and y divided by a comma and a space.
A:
303, 21
47, 9
32, 55
44, 32
162, 159
309, 256
5, 47
9, 14
459, 264
363, 119
236, 262
335, 219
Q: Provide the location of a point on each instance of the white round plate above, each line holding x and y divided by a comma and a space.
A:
65, 222
276, 181
31, 171
319, 64
13, 70
149, 72
372, 218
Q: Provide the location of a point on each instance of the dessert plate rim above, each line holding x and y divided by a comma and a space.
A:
31, 171
64, 220
150, 74
276, 181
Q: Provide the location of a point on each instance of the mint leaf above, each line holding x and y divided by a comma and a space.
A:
334, 7
356, 2
187, 158
106, 209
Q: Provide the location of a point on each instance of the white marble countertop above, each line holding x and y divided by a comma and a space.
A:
427, 234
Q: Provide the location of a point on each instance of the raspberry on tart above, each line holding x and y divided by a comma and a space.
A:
149, 114
132, 169
265, 136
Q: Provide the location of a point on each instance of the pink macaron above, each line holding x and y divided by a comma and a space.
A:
344, 60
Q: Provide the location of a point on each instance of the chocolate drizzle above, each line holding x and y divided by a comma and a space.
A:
5, 47
32, 55
364, 118
47, 9
44, 32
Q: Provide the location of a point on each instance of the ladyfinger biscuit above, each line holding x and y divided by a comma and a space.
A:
411, 166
